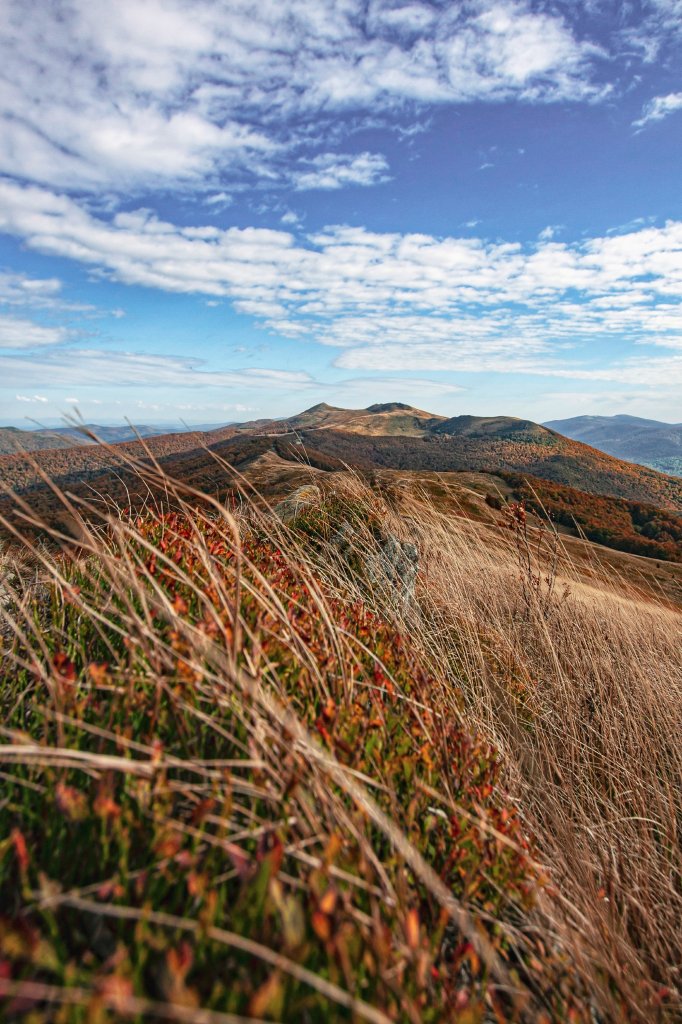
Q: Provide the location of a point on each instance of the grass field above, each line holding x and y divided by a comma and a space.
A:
251, 772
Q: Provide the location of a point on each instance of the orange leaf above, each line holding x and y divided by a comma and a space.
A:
266, 997
203, 808
71, 802
64, 667
412, 929
328, 901
180, 960
322, 925
99, 673
116, 991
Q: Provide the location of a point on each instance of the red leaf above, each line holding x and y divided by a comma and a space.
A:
64, 667
20, 849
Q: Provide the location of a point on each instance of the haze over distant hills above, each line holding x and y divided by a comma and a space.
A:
13, 439
648, 442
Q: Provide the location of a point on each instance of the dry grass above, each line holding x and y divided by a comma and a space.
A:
282, 770
580, 687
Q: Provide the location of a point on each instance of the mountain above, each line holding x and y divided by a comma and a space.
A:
648, 442
390, 418
397, 436
392, 436
614, 502
12, 439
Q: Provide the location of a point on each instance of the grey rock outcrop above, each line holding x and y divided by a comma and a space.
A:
297, 501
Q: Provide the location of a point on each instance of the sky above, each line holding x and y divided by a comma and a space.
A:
218, 211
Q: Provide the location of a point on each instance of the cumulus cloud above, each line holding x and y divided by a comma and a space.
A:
156, 93
46, 295
20, 290
658, 108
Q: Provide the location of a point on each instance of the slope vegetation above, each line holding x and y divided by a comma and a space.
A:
14, 440
392, 435
309, 790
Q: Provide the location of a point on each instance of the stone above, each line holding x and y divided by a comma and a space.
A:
303, 497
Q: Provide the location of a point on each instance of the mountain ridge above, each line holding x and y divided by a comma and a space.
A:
651, 443
396, 436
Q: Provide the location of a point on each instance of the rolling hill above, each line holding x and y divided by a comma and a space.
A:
13, 440
648, 442
614, 502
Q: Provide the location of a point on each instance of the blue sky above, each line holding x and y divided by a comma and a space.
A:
217, 211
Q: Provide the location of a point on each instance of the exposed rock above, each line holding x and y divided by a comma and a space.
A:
399, 564
393, 563
297, 501
396, 563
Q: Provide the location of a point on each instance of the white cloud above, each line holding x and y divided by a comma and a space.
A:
400, 385
153, 93
290, 218
93, 367
458, 300
17, 333
550, 232
658, 108
45, 294
20, 290
219, 199
30, 398
335, 170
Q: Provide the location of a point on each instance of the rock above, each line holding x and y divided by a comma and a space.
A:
399, 564
396, 563
295, 503
390, 565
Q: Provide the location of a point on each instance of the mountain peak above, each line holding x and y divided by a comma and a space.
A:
389, 407
321, 407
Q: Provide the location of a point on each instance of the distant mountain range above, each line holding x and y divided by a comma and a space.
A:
391, 436
648, 442
614, 502
13, 439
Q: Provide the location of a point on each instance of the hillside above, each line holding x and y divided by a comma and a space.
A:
392, 436
649, 442
490, 447
12, 439
626, 507
359, 766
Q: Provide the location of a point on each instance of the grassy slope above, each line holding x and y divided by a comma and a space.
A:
271, 463
287, 781
552, 458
